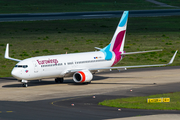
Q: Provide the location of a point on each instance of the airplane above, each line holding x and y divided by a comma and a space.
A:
80, 66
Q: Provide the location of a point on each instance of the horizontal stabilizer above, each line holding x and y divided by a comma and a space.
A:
130, 53
97, 48
7, 54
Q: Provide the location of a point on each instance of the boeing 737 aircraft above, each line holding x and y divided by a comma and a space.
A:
80, 66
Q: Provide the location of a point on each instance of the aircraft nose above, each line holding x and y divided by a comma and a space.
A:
15, 73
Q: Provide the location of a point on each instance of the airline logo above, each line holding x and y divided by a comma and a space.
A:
26, 71
42, 62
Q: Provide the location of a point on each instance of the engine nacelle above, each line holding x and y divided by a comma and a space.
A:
82, 76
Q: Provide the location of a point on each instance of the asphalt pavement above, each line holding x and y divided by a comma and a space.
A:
86, 106
86, 15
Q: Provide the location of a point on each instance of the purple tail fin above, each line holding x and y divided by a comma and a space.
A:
117, 42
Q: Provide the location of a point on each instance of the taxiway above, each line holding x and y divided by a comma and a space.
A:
85, 15
47, 100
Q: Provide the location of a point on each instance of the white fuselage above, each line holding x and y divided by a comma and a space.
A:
53, 66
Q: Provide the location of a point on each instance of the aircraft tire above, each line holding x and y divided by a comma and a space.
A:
61, 80
56, 80
25, 84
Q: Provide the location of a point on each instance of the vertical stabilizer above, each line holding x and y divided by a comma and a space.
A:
116, 46
117, 42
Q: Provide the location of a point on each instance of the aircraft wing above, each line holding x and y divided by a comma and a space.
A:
136, 66
69, 72
7, 54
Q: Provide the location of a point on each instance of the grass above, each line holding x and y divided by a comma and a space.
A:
141, 102
36, 38
39, 6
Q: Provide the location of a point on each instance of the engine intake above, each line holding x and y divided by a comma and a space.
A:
82, 76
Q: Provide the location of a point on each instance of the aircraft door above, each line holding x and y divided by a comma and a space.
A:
74, 64
35, 67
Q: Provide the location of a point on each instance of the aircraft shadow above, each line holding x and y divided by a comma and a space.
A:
66, 81
37, 83
126, 83
96, 78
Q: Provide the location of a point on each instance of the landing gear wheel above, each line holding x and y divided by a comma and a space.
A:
59, 80
25, 84
56, 80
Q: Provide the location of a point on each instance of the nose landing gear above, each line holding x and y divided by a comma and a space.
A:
24, 83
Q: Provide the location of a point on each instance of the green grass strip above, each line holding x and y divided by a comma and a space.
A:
141, 102
36, 38
39, 6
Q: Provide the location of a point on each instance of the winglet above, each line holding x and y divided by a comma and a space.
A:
7, 54
7, 51
172, 59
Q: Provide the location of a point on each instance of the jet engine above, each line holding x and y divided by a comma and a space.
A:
82, 76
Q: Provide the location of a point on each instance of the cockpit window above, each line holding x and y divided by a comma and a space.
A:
25, 66
21, 66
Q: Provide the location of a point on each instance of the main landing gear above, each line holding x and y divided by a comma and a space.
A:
59, 80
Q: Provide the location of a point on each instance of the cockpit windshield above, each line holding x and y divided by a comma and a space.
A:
21, 66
